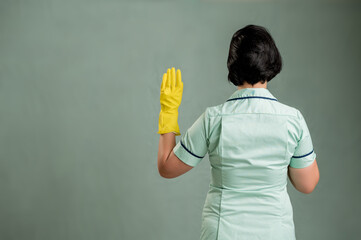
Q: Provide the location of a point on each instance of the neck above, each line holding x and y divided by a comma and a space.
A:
257, 85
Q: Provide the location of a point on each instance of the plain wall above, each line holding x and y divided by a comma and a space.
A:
79, 105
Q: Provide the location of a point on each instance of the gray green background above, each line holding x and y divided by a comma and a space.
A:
79, 105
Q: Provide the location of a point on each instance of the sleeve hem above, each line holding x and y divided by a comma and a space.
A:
186, 156
302, 162
303, 155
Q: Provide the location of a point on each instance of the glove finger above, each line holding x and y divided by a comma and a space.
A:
173, 79
179, 78
164, 81
168, 78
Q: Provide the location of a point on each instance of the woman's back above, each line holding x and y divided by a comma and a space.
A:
251, 139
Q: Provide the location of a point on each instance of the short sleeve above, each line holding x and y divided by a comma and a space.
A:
193, 145
304, 154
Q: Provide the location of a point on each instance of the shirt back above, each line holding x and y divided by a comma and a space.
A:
251, 139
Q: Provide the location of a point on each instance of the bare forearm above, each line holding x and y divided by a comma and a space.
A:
166, 145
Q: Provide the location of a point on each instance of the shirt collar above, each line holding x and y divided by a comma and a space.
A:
245, 93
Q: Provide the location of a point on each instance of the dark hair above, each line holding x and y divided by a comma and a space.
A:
253, 56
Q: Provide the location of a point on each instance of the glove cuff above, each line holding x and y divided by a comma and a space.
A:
168, 122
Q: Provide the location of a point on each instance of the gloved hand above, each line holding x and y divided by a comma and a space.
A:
170, 98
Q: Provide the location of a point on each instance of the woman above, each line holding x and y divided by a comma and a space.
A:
253, 141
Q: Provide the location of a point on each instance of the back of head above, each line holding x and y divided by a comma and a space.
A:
253, 56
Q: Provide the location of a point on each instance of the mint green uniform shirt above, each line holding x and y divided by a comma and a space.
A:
250, 139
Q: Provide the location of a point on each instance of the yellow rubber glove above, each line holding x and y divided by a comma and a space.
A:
171, 92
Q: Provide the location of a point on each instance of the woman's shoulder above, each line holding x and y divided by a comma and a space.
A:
285, 109
214, 111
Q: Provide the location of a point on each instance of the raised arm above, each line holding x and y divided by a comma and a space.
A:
169, 165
